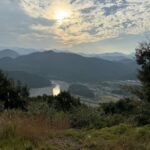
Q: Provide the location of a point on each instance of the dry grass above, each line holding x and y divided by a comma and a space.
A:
41, 133
33, 128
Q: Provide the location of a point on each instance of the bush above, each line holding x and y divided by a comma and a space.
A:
86, 117
124, 106
142, 116
64, 102
115, 119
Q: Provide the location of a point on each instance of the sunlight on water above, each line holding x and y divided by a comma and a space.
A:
56, 90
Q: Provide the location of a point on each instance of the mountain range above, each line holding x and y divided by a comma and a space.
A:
50, 65
115, 56
21, 51
8, 53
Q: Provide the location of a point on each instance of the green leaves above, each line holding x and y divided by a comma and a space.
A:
12, 94
143, 59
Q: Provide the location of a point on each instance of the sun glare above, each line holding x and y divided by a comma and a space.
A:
56, 90
62, 14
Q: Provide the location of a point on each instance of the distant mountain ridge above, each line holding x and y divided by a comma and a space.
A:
116, 56
70, 67
8, 53
26, 51
21, 51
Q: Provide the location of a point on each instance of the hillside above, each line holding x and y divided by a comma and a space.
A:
31, 80
70, 67
8, 53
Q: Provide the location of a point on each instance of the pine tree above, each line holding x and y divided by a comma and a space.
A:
143, 59
12, 94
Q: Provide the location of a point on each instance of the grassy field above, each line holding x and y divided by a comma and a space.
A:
21, 131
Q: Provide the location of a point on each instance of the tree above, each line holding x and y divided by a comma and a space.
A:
12, 94
143, 59
64, 102
124, 106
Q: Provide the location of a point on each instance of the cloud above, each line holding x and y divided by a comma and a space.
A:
90, 20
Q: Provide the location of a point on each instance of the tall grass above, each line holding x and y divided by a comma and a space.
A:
33, 128
23, 131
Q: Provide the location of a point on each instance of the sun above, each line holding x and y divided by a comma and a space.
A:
61, 14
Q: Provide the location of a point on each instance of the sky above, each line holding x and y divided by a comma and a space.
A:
87, 26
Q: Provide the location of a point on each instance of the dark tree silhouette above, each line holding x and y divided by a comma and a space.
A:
143, 59
64, 102
12, 94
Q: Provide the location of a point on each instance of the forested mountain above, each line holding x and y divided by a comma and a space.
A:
31, 80
70, 67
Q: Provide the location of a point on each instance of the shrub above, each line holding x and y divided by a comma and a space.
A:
64, 102
85, 117
124, 106
142, 116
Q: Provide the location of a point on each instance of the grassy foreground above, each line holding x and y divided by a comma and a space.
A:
20, 131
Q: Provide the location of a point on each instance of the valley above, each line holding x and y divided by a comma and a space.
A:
103, 92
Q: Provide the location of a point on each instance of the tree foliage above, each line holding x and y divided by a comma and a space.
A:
12, 94
64, 102
143, 59
123, 106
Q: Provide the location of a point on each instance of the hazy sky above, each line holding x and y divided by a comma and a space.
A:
77, 25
